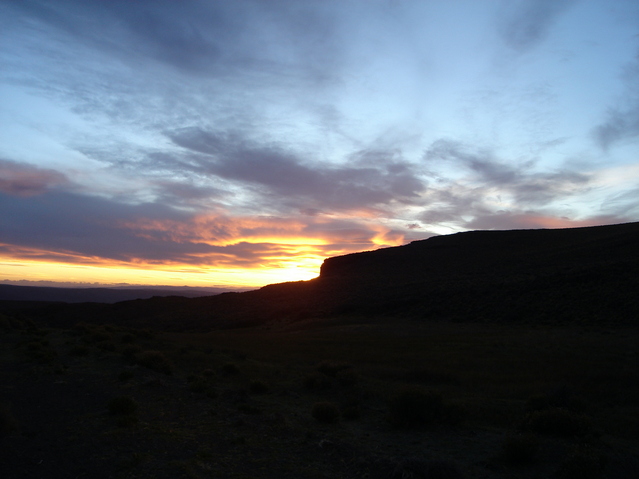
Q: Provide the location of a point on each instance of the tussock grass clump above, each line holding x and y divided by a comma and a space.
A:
129, 353
414, 468
325, 412
414, 407
347, 377
127, 338
197, 384
582, 463
156, 361
98, 337
556, 422
106, 346
259, 387
5, 323
79, 350
122, 405
40, 351
351, 410
126, 375
560, 398
82, 328
332, 368
317, 382
230, 369
519, 450
144, 333
8, 422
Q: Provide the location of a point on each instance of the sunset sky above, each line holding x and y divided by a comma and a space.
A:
239, 143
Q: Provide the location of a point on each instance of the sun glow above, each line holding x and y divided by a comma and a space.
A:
303, 265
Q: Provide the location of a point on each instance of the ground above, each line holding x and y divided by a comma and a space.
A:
515, 401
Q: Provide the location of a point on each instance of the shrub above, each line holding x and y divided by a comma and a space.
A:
351, 410
331, 368
259, 387
230, 369
129, 353
144, 333
248, 409
106, 346
415, 408
197, 384
127, 338
79, 350
156, 361
317, 382
99, 336
126, 375
582, 463
414, 468
325, 412
122, 405
5, 322
556, 422
8, 422
559, 398
347, 377
519, 450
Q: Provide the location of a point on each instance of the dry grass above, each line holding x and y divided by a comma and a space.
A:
319, 399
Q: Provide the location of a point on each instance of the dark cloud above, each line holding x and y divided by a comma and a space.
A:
525, 185
500, 195
73, 228
25, 180
622, 121
198, 37
527, 22
620, 124
302, 185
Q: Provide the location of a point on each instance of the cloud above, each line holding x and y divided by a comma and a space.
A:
622, 122
481, 190
302, 185
200, 37
19, 179
73, 228
521, 181
534, 220
527, 22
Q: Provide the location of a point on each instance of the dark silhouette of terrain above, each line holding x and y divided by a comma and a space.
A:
10, 292
486, 354
578, 276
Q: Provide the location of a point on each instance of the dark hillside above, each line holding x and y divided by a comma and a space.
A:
9, 292
579, 276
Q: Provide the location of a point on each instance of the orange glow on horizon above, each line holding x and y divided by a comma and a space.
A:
168, 275
288, 263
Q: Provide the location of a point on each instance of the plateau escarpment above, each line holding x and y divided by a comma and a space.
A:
579, 275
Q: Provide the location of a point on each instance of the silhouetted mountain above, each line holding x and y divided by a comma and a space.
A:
95, 295
580, 275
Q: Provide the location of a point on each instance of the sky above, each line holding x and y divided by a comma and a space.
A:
239, 143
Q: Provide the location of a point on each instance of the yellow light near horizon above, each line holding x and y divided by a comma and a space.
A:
168, 275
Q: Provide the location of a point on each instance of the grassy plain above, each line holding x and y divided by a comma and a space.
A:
474, 401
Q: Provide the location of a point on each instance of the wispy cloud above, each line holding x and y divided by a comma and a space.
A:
527, 22
301, 184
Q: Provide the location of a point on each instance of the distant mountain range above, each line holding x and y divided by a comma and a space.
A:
97, 295
586, 276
